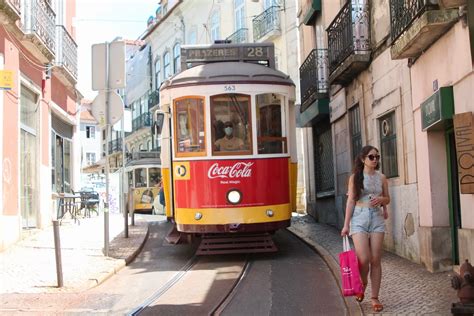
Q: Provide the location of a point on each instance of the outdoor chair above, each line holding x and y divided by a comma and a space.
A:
90, 202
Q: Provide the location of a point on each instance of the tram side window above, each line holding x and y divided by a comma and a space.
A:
231, 124
155, 176
140, 178
190, 128
269, 125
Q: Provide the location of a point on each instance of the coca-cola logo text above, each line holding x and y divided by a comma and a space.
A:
238, 170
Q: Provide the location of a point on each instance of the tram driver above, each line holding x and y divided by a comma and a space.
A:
229, 142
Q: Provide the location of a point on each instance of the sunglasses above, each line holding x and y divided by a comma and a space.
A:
373, 157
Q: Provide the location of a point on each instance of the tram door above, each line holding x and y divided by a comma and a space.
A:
453, 194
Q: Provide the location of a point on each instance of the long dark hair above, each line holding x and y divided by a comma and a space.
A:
358, 170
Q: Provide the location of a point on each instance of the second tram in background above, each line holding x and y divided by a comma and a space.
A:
228, 147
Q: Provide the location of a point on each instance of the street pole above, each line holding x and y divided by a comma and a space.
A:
107, 132
123, 180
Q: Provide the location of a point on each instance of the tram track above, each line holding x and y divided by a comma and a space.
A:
223, 277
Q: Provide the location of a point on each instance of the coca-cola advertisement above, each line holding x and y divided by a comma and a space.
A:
261, 182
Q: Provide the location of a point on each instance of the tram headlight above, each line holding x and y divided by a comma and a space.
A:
269, 213
197, 216
234, 196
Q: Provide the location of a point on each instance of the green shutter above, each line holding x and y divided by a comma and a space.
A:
312, 12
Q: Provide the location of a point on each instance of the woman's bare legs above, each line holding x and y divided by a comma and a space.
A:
362, 248
376, 243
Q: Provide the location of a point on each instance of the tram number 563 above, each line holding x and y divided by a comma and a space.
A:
229, 88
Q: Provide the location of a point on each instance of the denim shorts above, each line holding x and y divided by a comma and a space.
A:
367, 220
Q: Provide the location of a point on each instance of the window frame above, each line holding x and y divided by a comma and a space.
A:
158, 79
215, 26
201, 153
355, 130
250, 129
283, 124
386, 161
166, 65
177, 58
239, 14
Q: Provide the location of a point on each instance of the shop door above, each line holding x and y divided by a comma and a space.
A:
27, 180
453, 194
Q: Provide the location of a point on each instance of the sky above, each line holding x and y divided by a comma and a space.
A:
98, 21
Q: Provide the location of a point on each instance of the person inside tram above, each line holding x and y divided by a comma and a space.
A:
229, 142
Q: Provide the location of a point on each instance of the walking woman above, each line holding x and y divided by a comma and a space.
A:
365, 215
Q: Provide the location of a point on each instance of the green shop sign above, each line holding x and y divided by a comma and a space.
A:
437, 111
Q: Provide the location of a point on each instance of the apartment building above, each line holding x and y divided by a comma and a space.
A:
371, 77
38, 144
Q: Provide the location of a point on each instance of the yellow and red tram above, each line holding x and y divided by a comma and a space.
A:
228, 141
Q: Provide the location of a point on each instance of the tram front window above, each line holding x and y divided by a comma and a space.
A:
269, 124
155, 176
190, 129
140, 178
231, 124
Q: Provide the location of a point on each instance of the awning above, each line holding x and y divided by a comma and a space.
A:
96, 167
318, 110
311, 13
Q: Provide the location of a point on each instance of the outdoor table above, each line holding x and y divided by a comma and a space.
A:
67, 203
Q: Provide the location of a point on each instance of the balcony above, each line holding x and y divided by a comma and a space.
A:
10, 11
266, 26
115, 146
239, 36
40, 29
143, 120
416, 24
66, 57
314, 77
153, 99
349, 42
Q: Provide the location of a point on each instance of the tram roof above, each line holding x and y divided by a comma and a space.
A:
144, 162
228, 72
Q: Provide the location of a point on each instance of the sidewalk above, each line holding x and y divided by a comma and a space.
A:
407, 288
30, 267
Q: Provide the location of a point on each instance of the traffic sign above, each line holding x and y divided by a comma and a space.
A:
99, 108
113, 60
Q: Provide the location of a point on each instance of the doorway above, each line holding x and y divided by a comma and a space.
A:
453, 194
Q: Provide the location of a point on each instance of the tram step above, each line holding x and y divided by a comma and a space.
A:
213, 244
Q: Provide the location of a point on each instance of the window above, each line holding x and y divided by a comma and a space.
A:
158, 73
190, 127
167, 65
323, 157
355, 130
215, 26
148, 145
268, 3
388, 145
154, 176
90, 131
269, 125
140, 178
90, 158
239, 14
176, 58
231, 124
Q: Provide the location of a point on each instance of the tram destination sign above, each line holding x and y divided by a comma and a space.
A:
192, 55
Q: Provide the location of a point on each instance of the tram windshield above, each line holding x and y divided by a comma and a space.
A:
269, 124
140, 178
154, 175
190, 127
231, 124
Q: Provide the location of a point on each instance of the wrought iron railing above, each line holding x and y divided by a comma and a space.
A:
266, 22
115, 145
66, 55
314, 74
239, 36
349, 32
143, 120
153, 98
404, 12
14, 5
40, 20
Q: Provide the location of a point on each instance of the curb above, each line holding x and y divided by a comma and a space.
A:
352, 307
121, 262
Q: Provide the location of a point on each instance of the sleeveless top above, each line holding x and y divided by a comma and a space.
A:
372, 186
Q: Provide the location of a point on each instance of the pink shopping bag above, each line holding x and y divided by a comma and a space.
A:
350, 276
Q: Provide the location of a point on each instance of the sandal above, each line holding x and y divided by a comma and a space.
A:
360, 296
377, 307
